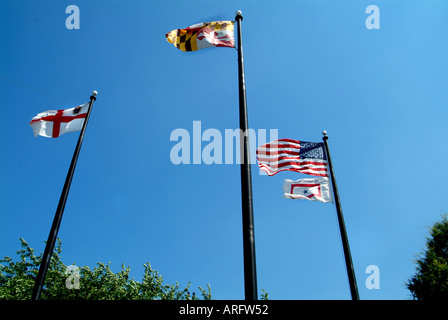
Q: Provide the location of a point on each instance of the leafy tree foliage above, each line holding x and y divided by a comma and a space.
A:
17, 281
431, 279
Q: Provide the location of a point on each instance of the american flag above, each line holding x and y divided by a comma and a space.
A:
293, 155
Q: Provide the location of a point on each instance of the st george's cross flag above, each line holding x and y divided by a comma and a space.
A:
293, 155
203, 35
53, 123
314, 189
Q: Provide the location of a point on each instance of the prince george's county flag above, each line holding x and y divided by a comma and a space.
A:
203, 35
293, 155
53, 123
310, 189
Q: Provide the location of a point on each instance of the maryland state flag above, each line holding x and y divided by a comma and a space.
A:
203, 35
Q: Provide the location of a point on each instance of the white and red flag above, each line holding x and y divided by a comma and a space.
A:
53, 123
310, 189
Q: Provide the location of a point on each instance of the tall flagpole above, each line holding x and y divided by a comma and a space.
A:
40, 279
348, 257
250, 273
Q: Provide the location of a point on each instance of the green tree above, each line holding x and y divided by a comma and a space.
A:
430, 281
17, 281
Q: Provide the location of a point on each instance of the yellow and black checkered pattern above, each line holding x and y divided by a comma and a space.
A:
186, 39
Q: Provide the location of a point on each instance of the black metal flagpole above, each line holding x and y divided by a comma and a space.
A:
40, 279
250, 273
347, 255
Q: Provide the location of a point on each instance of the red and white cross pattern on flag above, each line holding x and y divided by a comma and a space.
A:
208, 37
310, 189
53, 123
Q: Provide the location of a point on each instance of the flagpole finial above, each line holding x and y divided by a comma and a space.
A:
324, 133
94, 93
239, 15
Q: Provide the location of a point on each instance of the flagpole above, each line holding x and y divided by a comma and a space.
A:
345, 245
40, 279
250, 273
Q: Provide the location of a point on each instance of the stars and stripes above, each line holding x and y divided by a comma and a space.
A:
203, 35
293, 155
53, 123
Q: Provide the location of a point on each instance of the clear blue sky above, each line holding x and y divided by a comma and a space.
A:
310, 66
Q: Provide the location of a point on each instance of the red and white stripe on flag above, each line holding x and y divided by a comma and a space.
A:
310, 189
53, 123
293, 155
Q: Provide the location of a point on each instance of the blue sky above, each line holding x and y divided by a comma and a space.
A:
310, 66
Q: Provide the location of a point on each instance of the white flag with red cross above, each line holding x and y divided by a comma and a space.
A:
53, 123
